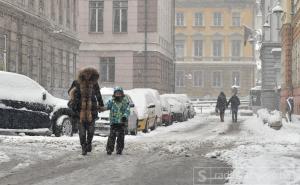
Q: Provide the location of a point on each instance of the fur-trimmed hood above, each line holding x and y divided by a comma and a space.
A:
88, 75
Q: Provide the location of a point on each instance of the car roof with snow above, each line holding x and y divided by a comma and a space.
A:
19, 87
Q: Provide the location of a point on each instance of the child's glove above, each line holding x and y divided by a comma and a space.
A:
124, 119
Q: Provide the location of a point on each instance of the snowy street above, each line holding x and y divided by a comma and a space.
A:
168, 155
164, 156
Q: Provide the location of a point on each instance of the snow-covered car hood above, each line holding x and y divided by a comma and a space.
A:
17, 87
104, 114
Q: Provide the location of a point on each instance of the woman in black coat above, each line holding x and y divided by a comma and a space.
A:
221, 105
86, 101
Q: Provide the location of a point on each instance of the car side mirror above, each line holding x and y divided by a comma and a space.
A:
44, 96
131, 105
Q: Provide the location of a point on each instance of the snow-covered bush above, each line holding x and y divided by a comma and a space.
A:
264, 115
275, 120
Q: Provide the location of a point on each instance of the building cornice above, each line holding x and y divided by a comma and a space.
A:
213, 3
216, 64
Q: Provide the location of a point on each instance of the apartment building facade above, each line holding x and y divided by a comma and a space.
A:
210, 53
38, 39
130, 42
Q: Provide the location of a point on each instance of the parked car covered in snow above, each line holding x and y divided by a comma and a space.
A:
167, 115
145, 104
177, 108
187, 102
102, 125
184, 107
26, 107
157, 101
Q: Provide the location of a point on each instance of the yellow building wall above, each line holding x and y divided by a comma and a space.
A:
208, 30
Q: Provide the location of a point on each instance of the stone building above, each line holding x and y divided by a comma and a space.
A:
38, 39
270, 55
129, 42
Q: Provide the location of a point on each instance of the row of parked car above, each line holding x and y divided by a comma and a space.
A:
27, 107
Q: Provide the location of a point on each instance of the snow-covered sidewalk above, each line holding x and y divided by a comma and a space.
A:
262, 155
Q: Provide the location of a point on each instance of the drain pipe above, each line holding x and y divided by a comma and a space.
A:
146, 45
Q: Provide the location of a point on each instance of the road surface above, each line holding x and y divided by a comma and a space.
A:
166, 156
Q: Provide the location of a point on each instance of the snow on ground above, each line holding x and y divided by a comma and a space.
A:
259, 154
262, 155
3, 157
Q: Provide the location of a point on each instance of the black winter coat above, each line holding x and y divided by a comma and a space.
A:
235, 102
75, 105
221, 103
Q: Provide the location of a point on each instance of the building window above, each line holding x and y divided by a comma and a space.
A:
120, 22
179, 78
67, 75
217, 48
198, 19
53, 10
236, 78
235, 48
52, 70
74, 65
21, 2
2, 52
107, 68
61, 66
61, 19
41, 6
179, 19
198, 48
68, 14
217, 19
96, 16
236, 19
197, 79
179, 47
74, 15
40, 63
30, 59
217, 79
31, 4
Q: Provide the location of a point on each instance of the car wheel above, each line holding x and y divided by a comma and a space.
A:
146, 130
63, 126
154, 125
181, 119
67, 127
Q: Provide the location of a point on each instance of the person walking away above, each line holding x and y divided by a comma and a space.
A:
86, 101
235, 102
221, 105
119, 112
290, 107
